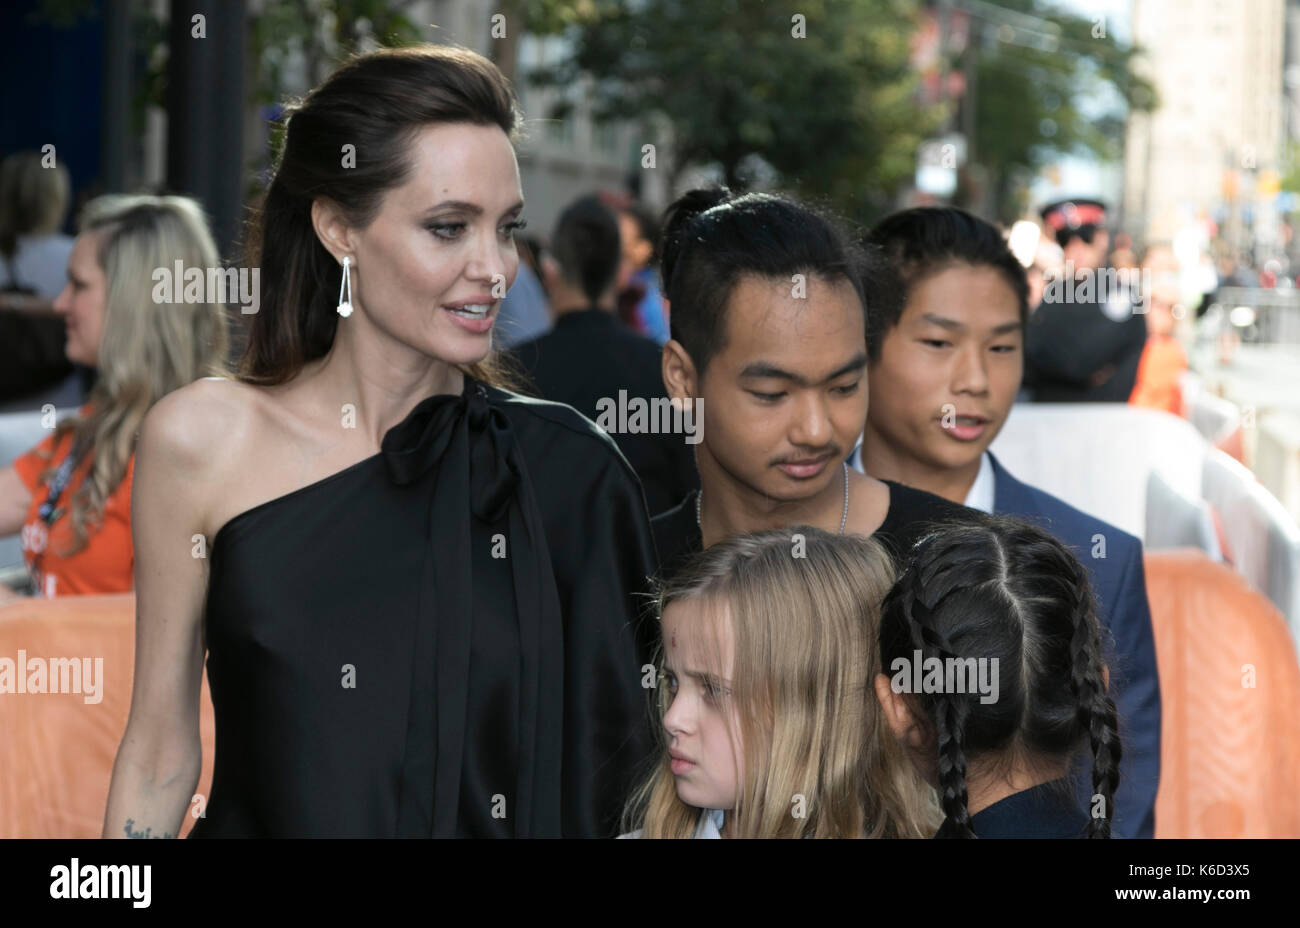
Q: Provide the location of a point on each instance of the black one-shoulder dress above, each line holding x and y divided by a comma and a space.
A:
445, 639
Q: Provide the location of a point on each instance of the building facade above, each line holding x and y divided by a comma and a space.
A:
1214, 147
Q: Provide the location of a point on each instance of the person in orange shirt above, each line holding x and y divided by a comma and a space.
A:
70, 496
1163, 359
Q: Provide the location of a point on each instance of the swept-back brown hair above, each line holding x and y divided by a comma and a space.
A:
819, 761
376, 102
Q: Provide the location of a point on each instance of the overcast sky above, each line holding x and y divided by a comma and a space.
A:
1117, 13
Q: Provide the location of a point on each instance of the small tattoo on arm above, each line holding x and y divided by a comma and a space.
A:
147, 833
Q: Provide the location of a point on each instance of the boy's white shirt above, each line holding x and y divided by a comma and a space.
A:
709, 826
982, 491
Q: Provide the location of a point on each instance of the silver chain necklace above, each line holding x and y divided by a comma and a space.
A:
844, 516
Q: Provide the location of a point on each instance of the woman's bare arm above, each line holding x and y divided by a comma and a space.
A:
160, 757
15, 500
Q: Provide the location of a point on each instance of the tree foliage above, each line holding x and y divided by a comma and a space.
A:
816, 95
1039, 98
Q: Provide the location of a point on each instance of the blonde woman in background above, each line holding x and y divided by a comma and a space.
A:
71, 495
768, 717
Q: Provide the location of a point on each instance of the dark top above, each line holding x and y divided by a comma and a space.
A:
584, 362
438, 640
1048, 810
1068, 342
912, 513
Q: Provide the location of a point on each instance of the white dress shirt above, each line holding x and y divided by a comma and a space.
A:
981, 491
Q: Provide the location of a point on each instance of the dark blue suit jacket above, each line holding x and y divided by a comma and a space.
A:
1119, 582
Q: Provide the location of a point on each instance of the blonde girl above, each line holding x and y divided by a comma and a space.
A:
768, 721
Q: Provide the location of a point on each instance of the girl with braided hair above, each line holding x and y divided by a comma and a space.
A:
768, 722
1006, 594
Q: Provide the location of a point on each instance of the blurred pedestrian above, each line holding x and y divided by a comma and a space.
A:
1163, 361
33, 261
641, 303
589, 360
1084, 341
33, 204
525, 312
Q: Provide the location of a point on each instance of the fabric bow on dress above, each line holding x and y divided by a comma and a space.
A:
478, 472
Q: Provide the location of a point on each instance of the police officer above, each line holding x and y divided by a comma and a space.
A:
1084, 340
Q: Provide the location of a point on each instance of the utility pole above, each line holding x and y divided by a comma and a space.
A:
205, 111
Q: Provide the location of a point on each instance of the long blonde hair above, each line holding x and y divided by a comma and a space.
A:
819, 761
148, 349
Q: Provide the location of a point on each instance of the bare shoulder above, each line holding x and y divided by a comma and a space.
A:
230, 446
193, 443
199, 425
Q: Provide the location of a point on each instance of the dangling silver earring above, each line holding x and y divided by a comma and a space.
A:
345, 306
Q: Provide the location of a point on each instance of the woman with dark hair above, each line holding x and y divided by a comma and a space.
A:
993, 676
420, 589
769, 306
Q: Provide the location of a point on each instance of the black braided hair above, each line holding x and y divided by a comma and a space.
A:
949, 718
1000, 587
1096, 709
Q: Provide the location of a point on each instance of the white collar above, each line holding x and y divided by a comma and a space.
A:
981, 495
710, 825
855, 459
982, 490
